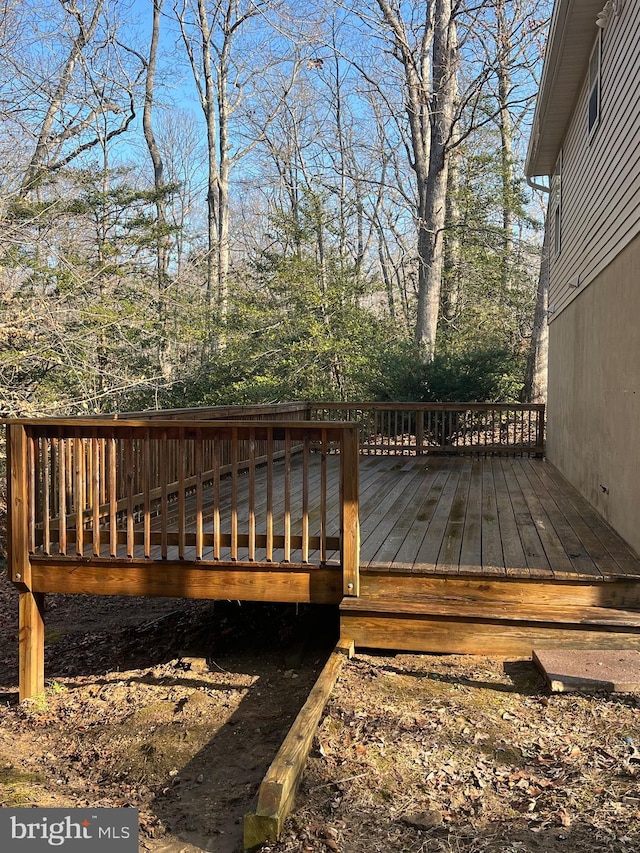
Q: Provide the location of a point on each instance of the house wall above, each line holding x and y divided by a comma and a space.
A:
594, 393
601, 174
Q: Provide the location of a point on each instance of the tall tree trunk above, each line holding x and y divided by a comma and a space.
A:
452, 276
417, 70
208, 100
162, 253
535, 386
223, 248
506, 141
431, 228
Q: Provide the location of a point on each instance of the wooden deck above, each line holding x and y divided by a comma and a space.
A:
409, 520
433, 527
449, 515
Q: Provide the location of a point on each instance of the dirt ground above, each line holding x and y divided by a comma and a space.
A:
177, 708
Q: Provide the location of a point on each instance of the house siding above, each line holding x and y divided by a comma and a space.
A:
594, 393
601, 174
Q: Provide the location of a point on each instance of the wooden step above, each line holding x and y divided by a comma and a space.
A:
619, 594
495, 610
490, 628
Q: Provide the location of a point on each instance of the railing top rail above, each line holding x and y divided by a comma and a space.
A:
432, 406
90, 427
234, 411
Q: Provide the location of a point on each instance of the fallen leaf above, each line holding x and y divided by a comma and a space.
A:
565, 818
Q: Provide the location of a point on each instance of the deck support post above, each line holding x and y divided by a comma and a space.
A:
350, 533
31, 639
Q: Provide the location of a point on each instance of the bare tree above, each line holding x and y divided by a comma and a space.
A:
430, 88
160, 192
94, 63
226, 67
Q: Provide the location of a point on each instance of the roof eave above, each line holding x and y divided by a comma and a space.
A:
571, 36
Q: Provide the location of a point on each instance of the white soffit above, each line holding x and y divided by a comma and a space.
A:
571, 36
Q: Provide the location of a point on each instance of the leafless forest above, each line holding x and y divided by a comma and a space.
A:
209, 201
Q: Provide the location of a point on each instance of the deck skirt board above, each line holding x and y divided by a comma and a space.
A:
442, 636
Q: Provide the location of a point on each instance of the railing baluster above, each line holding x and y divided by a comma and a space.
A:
146, 486
55, 502
269, 555
129, 475
32, 466
89, 473
47, 449
199, 511
287, 497
112, 451
62, 496
305, 499
323, 497
102, 445
95, 495
69, 477
181, 460
234, 493
78, 488
216, 498
164, 495
252, 494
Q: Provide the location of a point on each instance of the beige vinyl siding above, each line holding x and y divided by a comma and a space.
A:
601, 175
594, 393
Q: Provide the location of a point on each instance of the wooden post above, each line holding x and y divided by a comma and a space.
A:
31, 644
31, 630
350, 533
18, 564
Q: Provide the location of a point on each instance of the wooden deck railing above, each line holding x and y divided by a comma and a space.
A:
250, 503
155, 490
416, 428
296, 411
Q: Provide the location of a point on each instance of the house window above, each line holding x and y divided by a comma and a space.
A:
556, 205
594, 83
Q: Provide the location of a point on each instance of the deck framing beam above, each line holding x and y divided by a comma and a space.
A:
287, 583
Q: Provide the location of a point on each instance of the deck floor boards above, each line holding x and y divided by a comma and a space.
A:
514, 517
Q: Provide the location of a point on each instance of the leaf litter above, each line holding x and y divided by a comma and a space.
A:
178, 707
